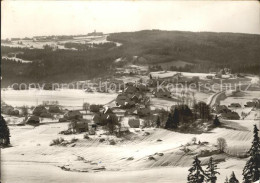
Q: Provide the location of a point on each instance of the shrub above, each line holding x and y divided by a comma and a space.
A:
112, 142
57, 141
66, 132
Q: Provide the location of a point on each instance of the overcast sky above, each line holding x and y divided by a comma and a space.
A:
30, 18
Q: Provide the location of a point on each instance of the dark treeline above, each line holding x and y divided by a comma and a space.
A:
206, 50
184, 119
87, 46
58, 65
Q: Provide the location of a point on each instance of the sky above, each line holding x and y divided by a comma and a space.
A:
35, 18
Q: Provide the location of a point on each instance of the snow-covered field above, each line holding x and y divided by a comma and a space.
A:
40, 44
32, 160
69, 98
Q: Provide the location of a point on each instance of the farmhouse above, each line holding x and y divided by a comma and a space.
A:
235, 105
230, 115
121, 99
101, 118
129, 97
221, 109
163, 93
73, 115
33, 120
134, 123
143, 111
130, 89
79, 126
255, 103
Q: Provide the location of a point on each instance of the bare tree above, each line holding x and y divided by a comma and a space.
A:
86, 106
221, 144
24, 110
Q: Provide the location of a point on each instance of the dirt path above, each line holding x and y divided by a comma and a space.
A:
215, 98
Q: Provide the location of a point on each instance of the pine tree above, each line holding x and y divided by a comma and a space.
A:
158, 122
211, 171
216, 121
196, 174
175, 118
233, 178
4, 132
169, 122
250, 171
172, 120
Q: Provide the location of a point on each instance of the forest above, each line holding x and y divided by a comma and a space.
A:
57, 65
206, 51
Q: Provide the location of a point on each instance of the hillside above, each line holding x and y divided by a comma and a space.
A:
195, 47
197, 52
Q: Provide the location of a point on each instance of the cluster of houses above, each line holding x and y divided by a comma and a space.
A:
255, 103
132, 95
225, 113
171, 78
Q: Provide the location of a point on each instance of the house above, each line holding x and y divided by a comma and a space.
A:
47, 86
142, 87
89, 90
134, 123
231, 115
235, 105
221, 109
73, 115
97, 118
209, 77
143, 111
94, 108
255, 103
130, 89
121, 99
79, 126
33, 120
124, 100
135, 99
38, 110
218, 75
92, 127
101, 118
161, 93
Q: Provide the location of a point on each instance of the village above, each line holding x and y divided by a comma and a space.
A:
136, 112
